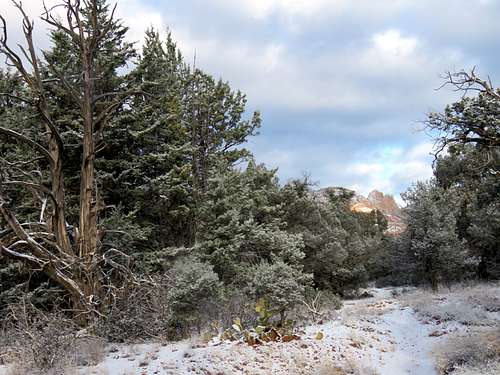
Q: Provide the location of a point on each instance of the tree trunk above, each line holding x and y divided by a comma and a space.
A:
88, 221
59, 218
87, 241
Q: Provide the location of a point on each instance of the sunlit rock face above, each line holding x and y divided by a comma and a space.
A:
376, 200
385, 204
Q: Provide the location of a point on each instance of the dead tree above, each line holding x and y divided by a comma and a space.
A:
46, 246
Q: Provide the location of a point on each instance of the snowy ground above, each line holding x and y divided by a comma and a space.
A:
380, 335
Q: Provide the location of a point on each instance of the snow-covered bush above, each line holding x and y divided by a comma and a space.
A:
282, 286
195, 290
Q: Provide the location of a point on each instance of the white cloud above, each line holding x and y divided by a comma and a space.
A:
391, 42
139, 17
420, 150
273, 57
13, 18
371, 72
305, 11
264, 8
277, 159
391, 169
367, 169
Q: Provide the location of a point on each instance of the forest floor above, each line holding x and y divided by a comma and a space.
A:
397, 331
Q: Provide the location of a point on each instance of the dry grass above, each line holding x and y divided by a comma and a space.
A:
476, 350
492, 368
353, 313
86, 352
89, 351
472, 305
42, 343
327, 365
355, 368
24, 369
489, 301
463, 313
475, 305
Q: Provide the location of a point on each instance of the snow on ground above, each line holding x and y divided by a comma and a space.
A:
380, 335
370, 336
412, 351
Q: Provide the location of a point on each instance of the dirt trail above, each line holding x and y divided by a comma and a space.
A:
371, 336
403, 343
413, 346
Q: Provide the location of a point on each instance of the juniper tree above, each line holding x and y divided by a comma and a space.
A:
145, 166
467, 170
432, 242
472, 120
217, 130
470, 132
339, 244
240, 223
70, 258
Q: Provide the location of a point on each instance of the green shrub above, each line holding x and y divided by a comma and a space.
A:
195, 291
281, 285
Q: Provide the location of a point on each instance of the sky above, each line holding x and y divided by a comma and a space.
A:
343, 85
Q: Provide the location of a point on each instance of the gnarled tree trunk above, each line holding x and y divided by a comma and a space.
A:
75, 265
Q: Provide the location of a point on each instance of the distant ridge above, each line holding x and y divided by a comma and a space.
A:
386, 204
376, 200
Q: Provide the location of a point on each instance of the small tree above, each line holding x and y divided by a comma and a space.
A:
279, 285
195, 288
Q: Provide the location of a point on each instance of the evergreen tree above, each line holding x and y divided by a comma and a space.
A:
469, 171
240, 223
339, 245
432, 242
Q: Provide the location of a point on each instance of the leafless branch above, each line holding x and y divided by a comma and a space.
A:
28, 141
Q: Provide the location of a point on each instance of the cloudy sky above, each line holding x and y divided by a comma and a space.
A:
341, 84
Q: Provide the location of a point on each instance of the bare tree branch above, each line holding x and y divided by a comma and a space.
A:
28, 141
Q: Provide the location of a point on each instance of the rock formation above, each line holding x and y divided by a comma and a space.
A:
385, 204
376, 200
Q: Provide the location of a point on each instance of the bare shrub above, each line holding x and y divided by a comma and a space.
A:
237, 305
317, 306
48, 343
140, 312
21, 368
41, 339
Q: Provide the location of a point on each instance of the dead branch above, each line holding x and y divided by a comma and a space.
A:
462, 130
314, 306
469, 81
28, 141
